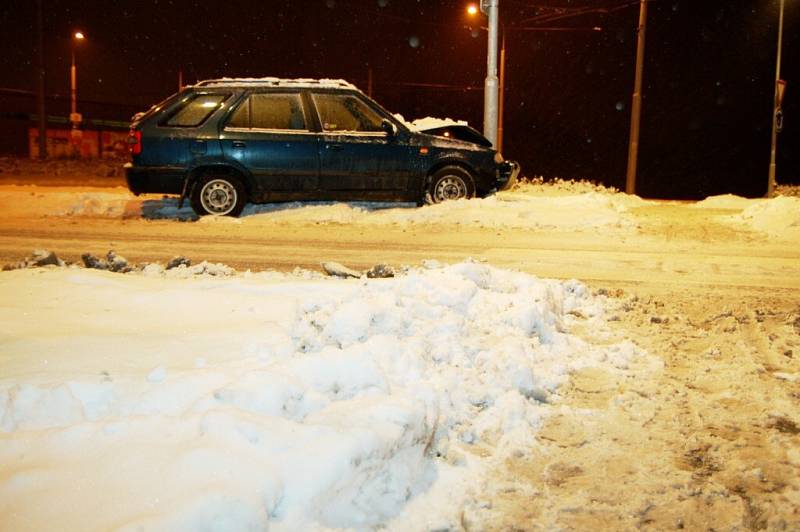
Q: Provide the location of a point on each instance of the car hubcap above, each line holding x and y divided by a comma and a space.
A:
218, 197
450, 188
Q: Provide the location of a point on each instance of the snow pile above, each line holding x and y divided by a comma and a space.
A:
723, 201
184, 271
778, 216
247, 403
33, 201
788, 190
280, 82
429, 122
512, 209
38, 259
567, 206
560, 186
503, 210
178, 267
107, 205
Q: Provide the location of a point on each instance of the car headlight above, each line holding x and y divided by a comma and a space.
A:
498, 157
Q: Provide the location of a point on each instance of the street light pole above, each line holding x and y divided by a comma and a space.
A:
636, 107
490, 99
502, 91
775, 109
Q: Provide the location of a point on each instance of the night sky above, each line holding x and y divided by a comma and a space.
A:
708, 81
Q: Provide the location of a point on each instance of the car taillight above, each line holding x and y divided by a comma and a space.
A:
135, 142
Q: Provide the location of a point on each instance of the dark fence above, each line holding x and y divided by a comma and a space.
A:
18, 115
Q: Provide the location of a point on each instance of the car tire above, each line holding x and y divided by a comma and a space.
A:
450, 183
218, 195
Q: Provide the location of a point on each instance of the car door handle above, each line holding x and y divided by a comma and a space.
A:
335, 147
238, 144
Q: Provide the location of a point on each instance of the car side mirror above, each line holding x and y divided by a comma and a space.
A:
389, 127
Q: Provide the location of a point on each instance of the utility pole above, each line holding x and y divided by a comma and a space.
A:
491, 9
76, 135
776, 109
40, 106
636, 108
501, 107
73, 92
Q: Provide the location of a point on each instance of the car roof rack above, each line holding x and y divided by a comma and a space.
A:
277, 82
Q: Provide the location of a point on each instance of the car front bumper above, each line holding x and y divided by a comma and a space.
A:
507, 173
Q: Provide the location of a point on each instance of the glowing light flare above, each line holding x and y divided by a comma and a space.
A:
79, 35
472, 9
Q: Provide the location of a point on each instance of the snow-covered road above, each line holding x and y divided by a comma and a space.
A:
563, 231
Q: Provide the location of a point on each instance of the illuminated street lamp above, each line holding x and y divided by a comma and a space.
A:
74, 116
491, 8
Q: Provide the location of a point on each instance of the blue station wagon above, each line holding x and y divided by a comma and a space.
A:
223, 143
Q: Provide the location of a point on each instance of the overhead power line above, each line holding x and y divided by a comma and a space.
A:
550, 13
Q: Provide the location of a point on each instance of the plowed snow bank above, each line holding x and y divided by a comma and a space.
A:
128, 401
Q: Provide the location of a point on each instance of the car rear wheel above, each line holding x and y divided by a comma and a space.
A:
218, 195
451, 183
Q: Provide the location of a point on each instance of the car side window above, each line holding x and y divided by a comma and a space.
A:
343, 112
241, 116
196, 110
270, 111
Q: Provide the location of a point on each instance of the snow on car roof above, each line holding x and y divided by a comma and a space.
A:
279, 82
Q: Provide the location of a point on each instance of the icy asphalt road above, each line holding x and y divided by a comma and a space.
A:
551, 233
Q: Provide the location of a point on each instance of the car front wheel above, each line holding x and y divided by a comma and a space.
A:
451, 183
218, 196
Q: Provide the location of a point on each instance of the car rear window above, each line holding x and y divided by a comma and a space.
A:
196, 110
139, 117
270, 111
